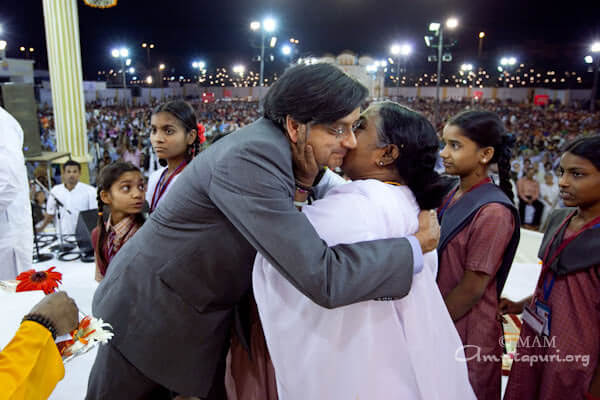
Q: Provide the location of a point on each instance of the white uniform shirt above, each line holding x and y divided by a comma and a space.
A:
153, 181
16, 228
81, 198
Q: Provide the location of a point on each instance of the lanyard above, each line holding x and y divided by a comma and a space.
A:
443, 209
547, 262
160, 190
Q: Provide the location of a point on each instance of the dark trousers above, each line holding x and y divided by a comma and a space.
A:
114, 378
537, 216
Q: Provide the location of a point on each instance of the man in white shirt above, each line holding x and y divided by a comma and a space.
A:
541, 174
16, 228
549, 193
74, 196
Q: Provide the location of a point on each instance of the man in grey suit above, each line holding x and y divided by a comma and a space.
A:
172, 293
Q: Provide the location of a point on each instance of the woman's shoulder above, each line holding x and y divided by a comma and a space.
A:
373, 189
557, 216
497, 210
493, 215
381, 201
359, 187
381, 192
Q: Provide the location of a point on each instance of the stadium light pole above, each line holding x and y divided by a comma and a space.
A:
267, 25
122, 54
200, 66
451, 23
480, 47
506, 63
595, 48
287, 51
240, 70
3, 45
148, 46
398, 51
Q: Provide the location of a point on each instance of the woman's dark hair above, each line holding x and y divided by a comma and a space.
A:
184, 112
417, 141
586, 147
109, 175
486, 129
318, 93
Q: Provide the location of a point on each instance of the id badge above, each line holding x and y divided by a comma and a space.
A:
534, 321
544, 311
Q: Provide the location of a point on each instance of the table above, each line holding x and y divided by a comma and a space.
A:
78, 281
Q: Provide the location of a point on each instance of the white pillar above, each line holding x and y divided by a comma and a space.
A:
66, 79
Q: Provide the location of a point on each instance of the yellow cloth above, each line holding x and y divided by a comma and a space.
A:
30, 365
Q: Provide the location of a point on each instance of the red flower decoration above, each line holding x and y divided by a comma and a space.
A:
39, 280
201, 131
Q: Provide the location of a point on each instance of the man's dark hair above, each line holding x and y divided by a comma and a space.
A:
318, 93
72, 163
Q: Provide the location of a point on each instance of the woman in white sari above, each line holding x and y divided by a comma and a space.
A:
388, 349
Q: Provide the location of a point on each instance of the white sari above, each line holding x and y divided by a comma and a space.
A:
401, 349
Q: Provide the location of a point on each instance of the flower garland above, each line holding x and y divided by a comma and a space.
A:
89, 332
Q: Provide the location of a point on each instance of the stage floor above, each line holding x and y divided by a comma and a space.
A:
79, 283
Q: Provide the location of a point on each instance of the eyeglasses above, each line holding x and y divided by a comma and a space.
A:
340, 130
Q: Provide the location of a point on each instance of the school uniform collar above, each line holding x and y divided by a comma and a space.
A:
120, 229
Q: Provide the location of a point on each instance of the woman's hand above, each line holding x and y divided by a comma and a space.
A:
305, 164
429, 231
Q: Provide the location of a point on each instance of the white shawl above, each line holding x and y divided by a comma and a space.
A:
402, 349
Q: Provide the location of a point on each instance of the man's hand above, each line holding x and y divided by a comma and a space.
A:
429, 231
303, 158
61, 310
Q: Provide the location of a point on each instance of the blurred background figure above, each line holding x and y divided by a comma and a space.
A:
16, 228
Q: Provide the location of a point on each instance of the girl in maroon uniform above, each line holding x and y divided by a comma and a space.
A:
121, 193
558, 350
479, 237
175, 140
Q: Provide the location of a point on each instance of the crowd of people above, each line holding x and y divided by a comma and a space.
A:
386, 281
116, 133
119, 133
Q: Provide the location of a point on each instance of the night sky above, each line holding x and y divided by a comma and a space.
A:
544, 34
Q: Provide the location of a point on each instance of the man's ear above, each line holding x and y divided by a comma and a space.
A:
293, 128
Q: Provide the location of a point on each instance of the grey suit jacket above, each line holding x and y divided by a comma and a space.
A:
171, 291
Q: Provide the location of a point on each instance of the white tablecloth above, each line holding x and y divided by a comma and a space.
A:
78, 281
